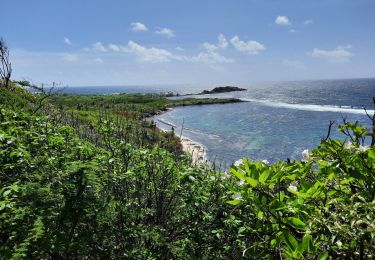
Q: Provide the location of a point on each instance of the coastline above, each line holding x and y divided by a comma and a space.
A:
197, 150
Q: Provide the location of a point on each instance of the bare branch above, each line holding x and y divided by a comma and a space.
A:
331, 123
368, 115
5, 65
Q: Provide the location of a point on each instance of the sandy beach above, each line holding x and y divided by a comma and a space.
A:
197, 150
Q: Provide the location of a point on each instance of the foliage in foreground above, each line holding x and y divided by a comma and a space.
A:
323, 206
63, 195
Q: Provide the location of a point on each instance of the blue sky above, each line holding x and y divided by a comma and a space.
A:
101, 42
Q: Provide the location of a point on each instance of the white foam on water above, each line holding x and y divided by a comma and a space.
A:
166, 122
310, 107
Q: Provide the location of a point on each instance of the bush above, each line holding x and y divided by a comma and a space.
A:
323, 206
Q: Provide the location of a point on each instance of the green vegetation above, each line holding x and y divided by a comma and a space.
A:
84, 176
138, 105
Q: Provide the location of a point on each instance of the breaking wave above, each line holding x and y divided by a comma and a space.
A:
312, 107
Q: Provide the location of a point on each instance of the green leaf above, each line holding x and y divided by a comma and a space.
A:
234, 202
346, 181
371, 154
264, 176
296, 222
3, 204
251, 181
238, 173
7, 192
306, 240
290, 240
274, 242
322, 256
260, 214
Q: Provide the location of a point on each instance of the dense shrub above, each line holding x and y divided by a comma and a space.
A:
321, 206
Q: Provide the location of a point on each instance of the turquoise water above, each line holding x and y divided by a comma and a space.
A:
279, 122
231, 131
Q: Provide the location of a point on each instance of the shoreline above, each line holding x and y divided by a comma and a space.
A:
197, 150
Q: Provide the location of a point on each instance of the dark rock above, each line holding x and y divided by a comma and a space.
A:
222, 90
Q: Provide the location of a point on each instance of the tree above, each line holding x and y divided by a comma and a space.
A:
6, 66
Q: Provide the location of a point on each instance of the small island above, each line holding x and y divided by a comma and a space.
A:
225, 89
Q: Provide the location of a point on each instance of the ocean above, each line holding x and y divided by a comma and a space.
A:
279, 121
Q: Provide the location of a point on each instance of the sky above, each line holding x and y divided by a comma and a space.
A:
148, 42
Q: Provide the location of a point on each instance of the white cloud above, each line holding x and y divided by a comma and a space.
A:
98, 47
158, 55
250, 47
340, 54
282, 20
152, 55
69, 57
138, 27
211, 55
114, 47
209, 46
307, 22
144, 54
67, 41
165, 32
222, 43
98, 60
292, 31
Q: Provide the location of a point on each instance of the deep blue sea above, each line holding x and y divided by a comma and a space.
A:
280, 120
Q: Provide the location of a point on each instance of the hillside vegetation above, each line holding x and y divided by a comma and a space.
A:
86, 177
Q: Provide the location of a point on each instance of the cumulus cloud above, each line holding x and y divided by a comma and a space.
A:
211, 55
222, 43
250, 47
69, 57
144, 54
96, 47
209, 46
99, 47
165, 32
138, 27
158, 55
339, 54
114, 47
282, 20
98, 60
307, 22
67, 41
152, 55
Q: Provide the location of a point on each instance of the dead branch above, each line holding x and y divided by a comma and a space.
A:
5, 65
